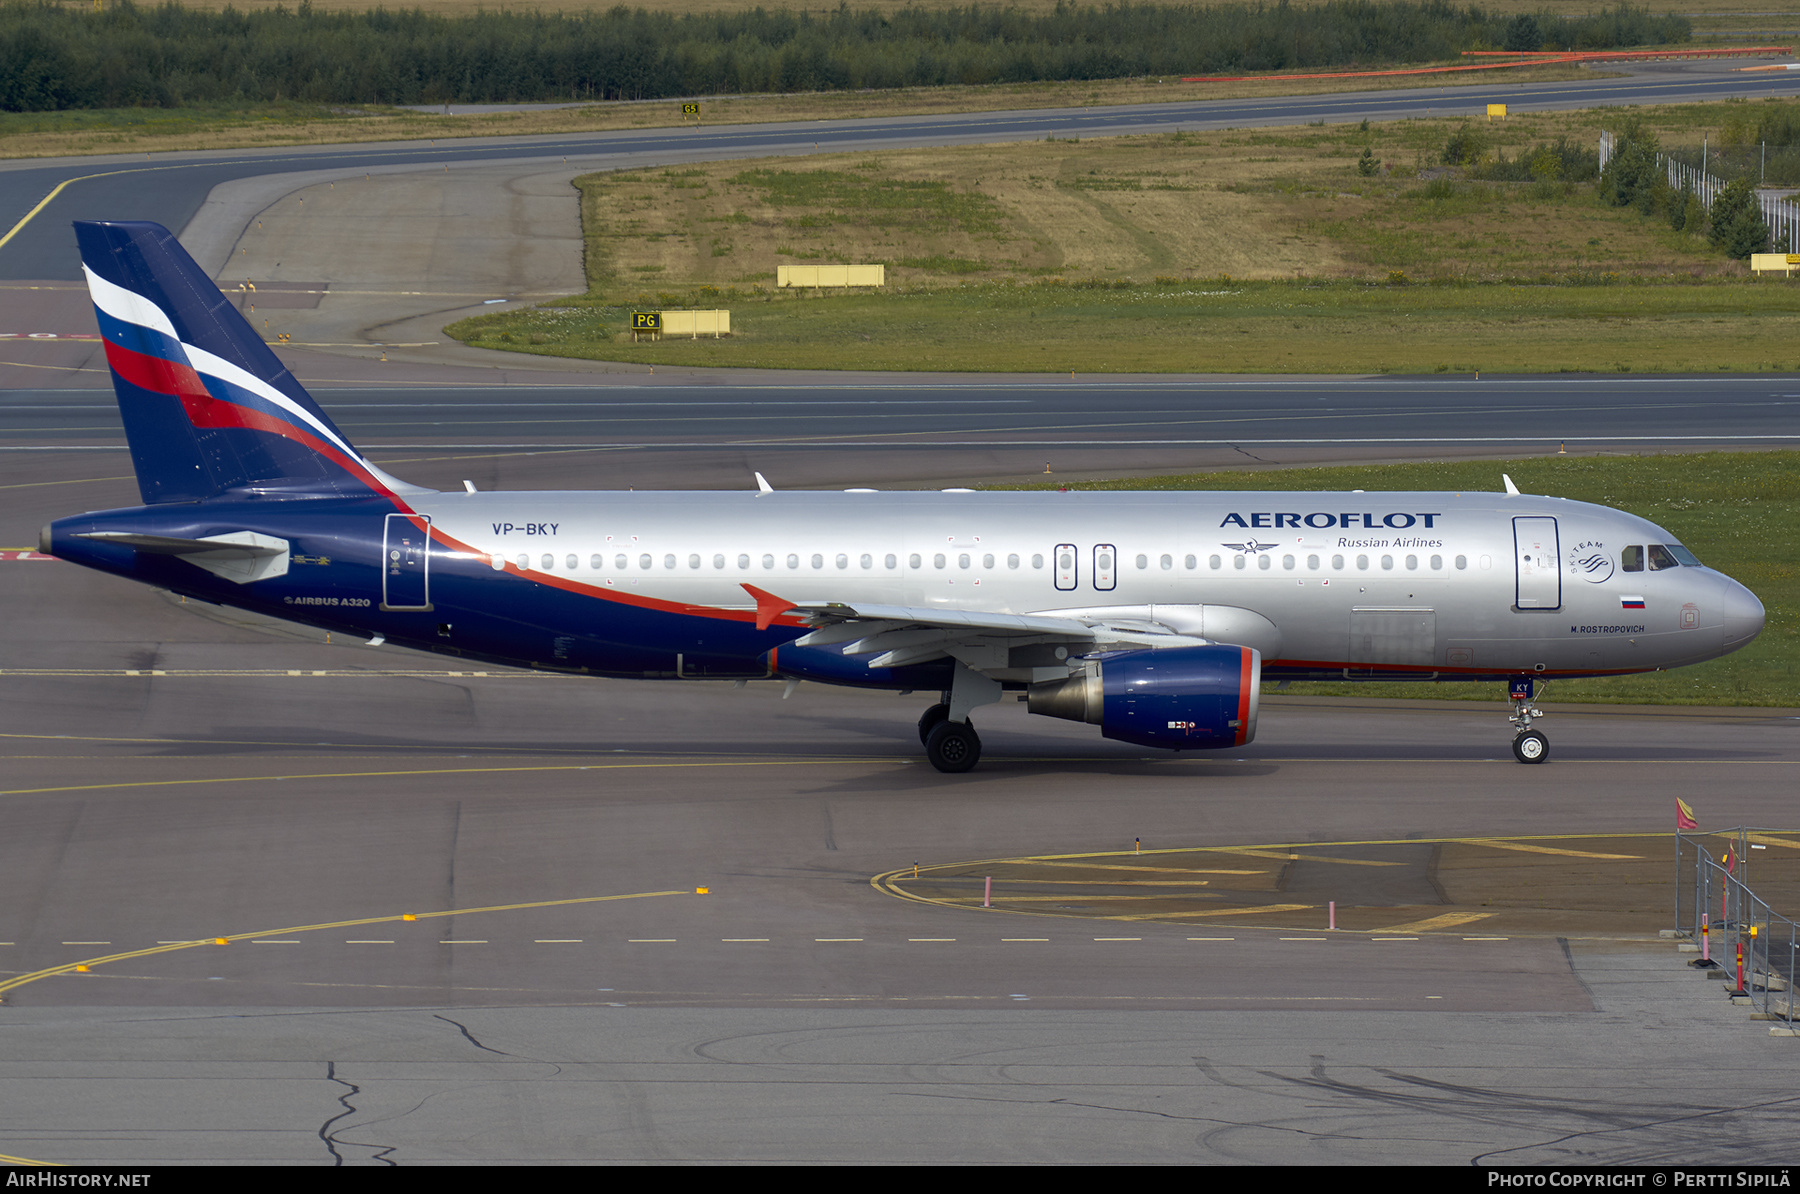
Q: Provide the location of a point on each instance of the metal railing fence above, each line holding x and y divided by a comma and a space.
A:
1734, 927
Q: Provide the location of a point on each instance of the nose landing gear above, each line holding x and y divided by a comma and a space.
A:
1529, 745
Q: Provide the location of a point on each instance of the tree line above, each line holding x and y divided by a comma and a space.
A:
1636, 177
55, 56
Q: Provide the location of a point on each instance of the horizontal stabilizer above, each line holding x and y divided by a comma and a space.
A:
237, 556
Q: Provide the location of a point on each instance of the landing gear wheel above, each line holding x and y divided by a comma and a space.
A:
929, 720
1531, 747
953, 746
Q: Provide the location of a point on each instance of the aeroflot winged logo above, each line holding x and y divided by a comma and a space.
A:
1321, 519
1252, 547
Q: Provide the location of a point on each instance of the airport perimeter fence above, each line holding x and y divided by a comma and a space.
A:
1715, 905
1778, 212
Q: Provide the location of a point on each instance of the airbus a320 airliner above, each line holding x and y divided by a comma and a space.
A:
1155, 616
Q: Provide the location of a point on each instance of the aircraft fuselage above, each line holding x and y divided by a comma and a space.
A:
649, 584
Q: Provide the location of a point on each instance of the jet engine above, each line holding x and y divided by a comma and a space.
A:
1180, 698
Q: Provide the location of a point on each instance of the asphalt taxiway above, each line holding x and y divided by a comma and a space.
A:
342, 903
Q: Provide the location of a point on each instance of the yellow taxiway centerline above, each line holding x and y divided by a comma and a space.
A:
89, 963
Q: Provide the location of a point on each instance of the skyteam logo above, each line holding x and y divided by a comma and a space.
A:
1590, 561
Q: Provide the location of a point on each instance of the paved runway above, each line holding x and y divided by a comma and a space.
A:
908, 432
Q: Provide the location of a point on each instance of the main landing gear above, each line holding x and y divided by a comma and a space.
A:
950, 746
1529, 745
953, 746
951, 743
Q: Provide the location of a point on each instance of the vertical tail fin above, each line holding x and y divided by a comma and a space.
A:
208, 409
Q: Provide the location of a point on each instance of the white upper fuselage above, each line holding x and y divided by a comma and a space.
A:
1394, 582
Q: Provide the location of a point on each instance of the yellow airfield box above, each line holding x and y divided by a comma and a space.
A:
830, 275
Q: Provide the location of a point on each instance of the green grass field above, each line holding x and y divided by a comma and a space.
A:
1736, 511
1215, 326
1232, 251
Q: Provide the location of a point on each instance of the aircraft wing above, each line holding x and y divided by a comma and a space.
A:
896, 635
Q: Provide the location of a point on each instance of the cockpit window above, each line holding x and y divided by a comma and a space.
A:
1661, 557
1632, 559
1688, 559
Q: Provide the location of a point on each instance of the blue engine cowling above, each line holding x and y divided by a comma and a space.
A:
1182, 698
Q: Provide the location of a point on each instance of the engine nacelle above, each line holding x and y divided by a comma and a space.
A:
1181, 698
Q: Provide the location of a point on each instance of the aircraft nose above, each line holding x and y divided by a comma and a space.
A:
1743, 615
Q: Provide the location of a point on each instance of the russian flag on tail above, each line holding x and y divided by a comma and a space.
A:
208, 408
